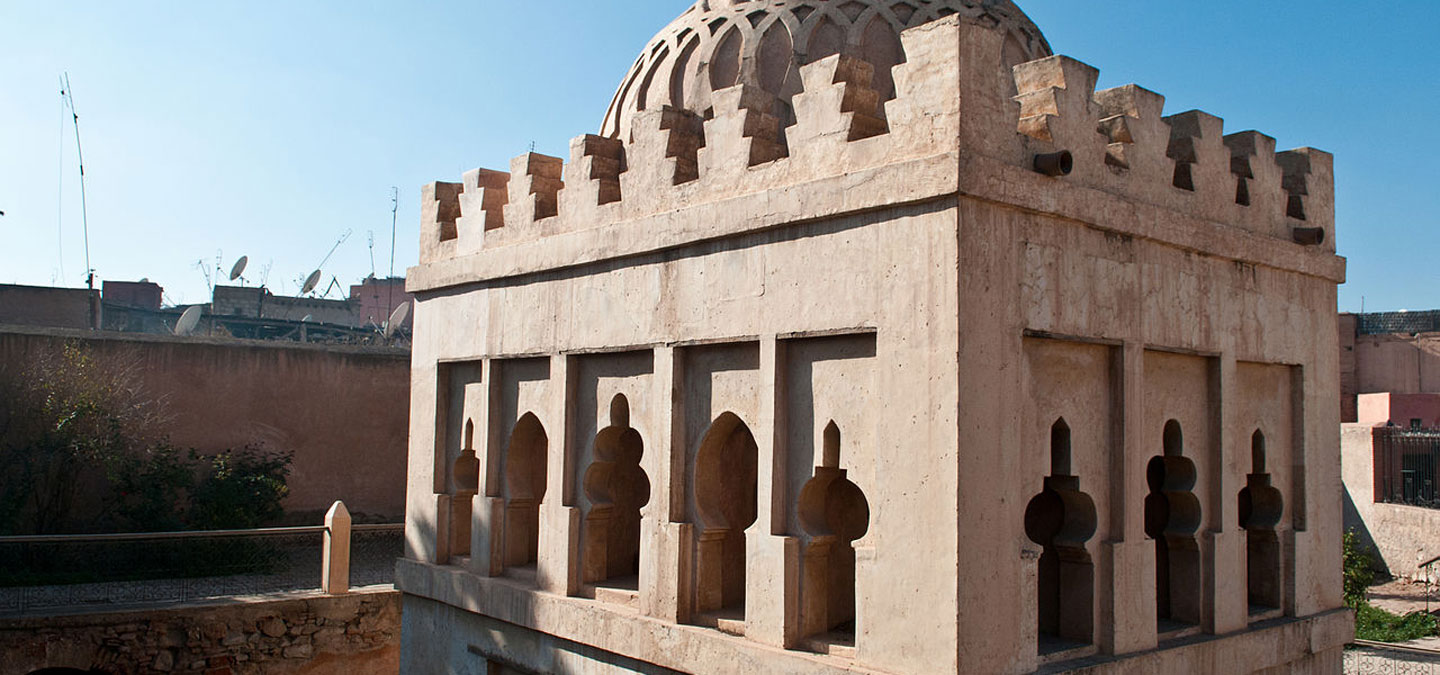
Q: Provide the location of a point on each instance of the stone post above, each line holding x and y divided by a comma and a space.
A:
335, 557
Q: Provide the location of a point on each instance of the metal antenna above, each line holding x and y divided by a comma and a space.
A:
343, 238
390, 285
60, 188
371, 237
204, 268
67, 94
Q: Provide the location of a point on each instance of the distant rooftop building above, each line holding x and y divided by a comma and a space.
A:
48, 307
1388, 352
253, 313
378, 298
143, 294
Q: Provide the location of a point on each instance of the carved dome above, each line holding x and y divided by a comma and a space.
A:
719, 43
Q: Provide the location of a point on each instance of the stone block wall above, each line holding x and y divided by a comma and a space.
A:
357, 634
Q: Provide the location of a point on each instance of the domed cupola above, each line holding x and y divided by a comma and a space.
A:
720, 43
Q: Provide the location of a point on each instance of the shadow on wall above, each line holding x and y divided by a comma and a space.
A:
1353, 521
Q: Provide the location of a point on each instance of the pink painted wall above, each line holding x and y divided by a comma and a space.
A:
1399, 409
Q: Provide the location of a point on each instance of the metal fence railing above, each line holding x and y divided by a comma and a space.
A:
1378, 658
1385, 323
1406, 464
44, 574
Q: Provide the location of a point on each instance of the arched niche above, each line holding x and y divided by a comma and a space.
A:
1061, 519
1172, 517
834, 513
465, 478
617, 488
1261, 508
724, 485
523, 489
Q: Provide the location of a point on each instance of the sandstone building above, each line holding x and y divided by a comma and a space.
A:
868, 337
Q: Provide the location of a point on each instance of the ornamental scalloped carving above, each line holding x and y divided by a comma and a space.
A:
719, 43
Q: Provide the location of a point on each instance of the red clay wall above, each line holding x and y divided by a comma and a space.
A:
344, 411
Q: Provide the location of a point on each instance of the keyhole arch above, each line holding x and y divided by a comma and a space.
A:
617, 488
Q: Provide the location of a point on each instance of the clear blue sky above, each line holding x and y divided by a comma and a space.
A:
269, 128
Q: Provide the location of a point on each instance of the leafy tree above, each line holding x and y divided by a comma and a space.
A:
67, 417
73, 425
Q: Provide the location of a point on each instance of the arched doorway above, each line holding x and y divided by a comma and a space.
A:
524, 488
834, 513
1172, 517
724, 484
617, 489
1061, 519
1261, 508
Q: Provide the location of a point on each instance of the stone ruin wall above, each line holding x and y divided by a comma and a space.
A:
357, 634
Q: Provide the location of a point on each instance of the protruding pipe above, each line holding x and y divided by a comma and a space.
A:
1309, 236
1055, 164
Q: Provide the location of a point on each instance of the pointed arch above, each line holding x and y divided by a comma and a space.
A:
880, 46
724, 493
725, 60
1060, 448
1257, 452
523, 489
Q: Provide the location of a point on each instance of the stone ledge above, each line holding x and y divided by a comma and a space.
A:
589, 622
677, 646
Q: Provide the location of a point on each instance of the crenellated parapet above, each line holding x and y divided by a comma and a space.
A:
1119, 142
952, 95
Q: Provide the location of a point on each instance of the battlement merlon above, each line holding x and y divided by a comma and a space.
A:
953, 96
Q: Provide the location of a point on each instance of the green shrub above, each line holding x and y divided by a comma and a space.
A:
1378, 625
151, 489
241, 489
1359, 570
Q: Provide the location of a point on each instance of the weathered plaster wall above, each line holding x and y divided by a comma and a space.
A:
1403, 536
342, 411
356, 634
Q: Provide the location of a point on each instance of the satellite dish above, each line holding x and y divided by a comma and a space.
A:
311, 282
397, 318
188, 321
239, 267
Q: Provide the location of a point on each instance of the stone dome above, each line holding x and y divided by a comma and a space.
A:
719, 43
